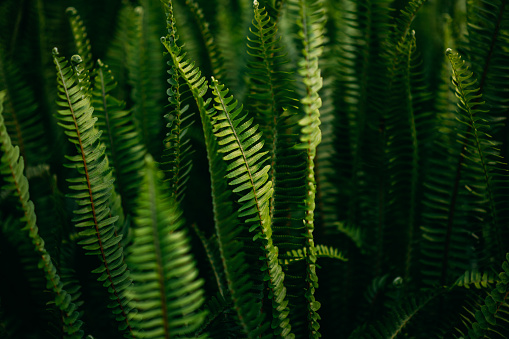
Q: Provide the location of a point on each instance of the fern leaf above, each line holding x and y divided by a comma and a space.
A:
92, 188
166, 289
214, 54
234, 262
395, 322
322, 251
241, 145
11, 167
144, 58
176, 162
22, 114
81, 41
480, 153
495, 308
310, 18
124, 148
477, 279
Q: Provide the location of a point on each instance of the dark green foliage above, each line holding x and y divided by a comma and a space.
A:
328, 169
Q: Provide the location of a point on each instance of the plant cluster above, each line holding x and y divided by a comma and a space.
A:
238, 169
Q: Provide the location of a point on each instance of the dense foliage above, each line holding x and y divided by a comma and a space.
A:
254, 169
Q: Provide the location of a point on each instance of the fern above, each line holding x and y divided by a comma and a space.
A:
12, 168
81, 41
240, 142
480, 152
120, 136
93, 187
166, 290
234, 262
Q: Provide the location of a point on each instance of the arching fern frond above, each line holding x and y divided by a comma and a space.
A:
11, 169
240, 143
92, 187
166, 287
226, 221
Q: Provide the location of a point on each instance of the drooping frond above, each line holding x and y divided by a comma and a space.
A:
124, 148
92, 187
226, 221
81, 40
166, 287
11, 168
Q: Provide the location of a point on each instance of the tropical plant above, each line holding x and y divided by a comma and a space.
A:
320, 168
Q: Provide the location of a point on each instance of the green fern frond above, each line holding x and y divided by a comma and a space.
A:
117, 53
393, 325
93, 187
22, 114
177, 149
214, 54
481, 154
166, 289
124, 148
240, 143
11, 168
495, 309
226, 221
310, 18
144, 60
322, 251
81, 40
477, 279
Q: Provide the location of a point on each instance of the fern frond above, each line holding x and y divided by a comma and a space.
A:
394, 323
481, 154
11, 168
22, 114
166, 289
322, 251
93, 187
124, 148
477, 279
177, 149
495, 309
240, 142
214, 54
145, 62
226, 221
81, 40
310, 18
